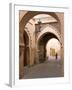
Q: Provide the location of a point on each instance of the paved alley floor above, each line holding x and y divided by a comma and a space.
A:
43, 70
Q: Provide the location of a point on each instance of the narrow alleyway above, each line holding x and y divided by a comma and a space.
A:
43, 70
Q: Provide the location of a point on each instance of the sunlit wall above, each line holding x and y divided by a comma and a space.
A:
53, 47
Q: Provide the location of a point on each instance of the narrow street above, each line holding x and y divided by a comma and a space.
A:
43, 70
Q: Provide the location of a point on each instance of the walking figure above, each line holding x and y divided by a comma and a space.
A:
56, 56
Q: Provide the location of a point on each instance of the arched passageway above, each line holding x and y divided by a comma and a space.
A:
41, 40
42, 45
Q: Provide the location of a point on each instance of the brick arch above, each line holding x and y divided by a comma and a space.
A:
30, 14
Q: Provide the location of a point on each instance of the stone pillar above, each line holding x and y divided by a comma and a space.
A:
62, 39
28, 55
21, 62
61, 17
32, 53
37, 56
21, 51
62, 57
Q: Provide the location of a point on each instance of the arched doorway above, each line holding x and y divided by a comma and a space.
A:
42, 45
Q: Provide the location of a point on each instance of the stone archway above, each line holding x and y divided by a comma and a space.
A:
45, 35
49, 29
42, 45
30, 14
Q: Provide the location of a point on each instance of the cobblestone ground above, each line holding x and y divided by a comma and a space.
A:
44, 70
